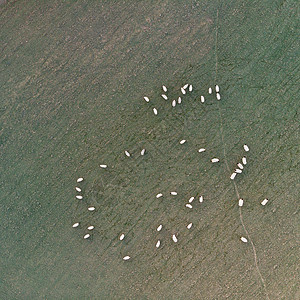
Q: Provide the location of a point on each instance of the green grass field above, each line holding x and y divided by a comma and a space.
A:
73, 75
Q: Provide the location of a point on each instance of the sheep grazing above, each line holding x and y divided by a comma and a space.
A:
246, 148
174, 238
159, 228
191, 199
157, 244
214, 160
232, 176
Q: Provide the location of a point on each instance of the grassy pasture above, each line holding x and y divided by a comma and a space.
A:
73, 75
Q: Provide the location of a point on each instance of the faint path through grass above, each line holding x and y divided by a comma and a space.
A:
227, 166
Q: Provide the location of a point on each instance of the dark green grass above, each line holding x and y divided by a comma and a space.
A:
73, 77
